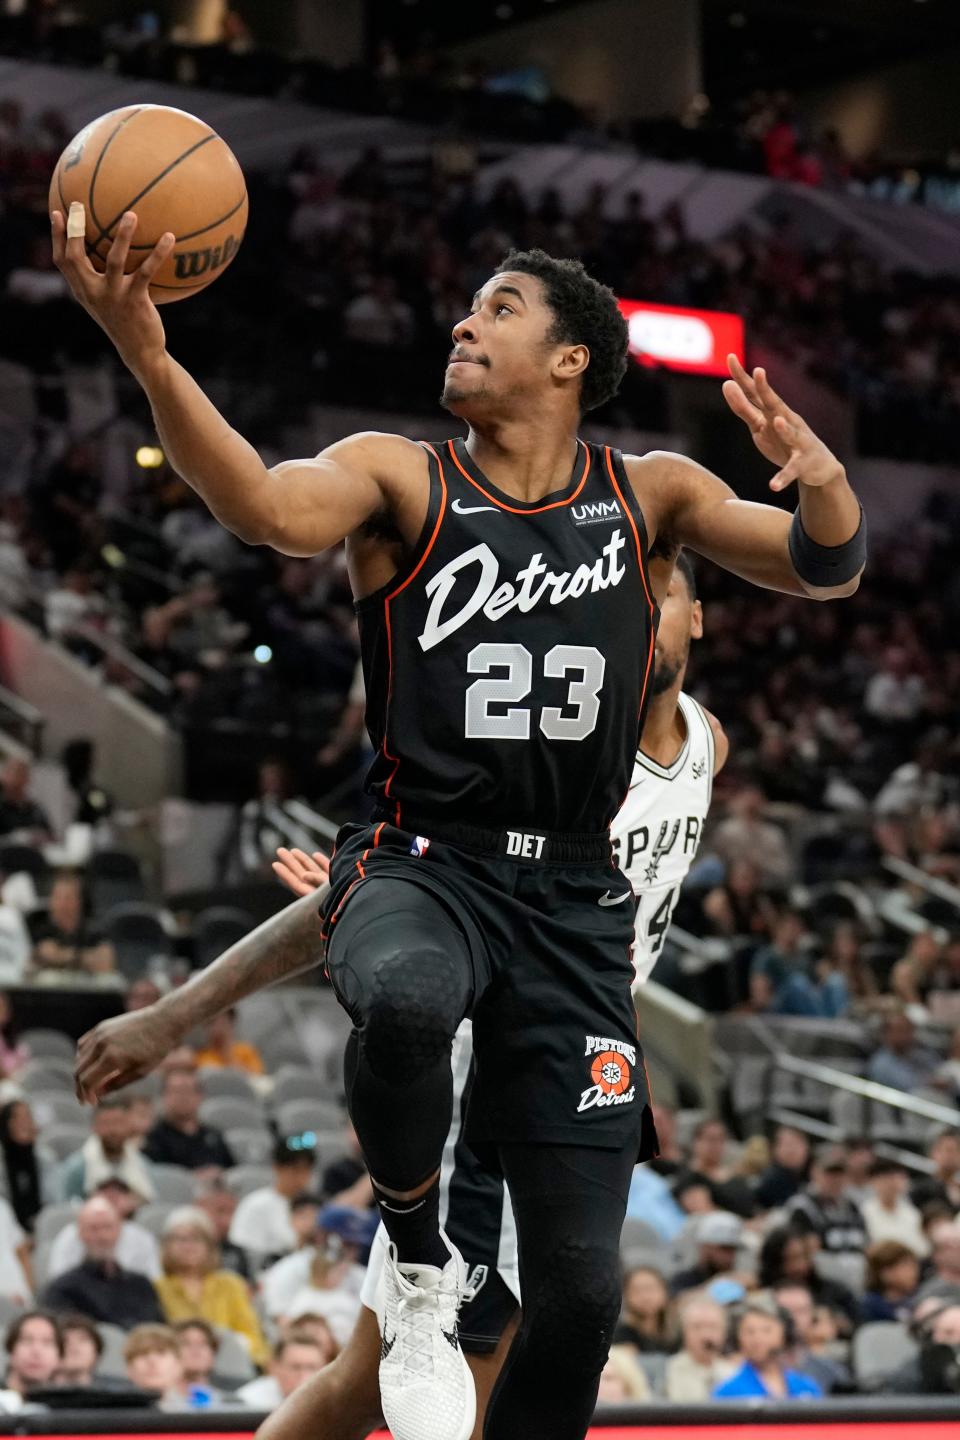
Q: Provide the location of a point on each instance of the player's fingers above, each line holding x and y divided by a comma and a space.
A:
743, 378
769, 397
120, 249
146, 271
58, 230
76, 261
786, 429
786, 476
322, 862
740, 405
291, 879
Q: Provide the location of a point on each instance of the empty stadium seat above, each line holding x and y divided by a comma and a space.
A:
244, 1178
58, 1107
23, 859
226, 1112
639, 1233
221, 1084
113, 878
216, 929
250, 1146
298, 1115
173, 1184
848, 1268
42, 1042
234, 1365
111, 1365
61, 1139
138, 933
52, 1219
153, 1217
878, 1350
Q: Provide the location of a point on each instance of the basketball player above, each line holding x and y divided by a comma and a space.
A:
688, 745
508, 615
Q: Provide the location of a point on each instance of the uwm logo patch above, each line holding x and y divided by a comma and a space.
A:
596, 512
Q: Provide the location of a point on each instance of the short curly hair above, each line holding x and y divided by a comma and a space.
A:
585, 313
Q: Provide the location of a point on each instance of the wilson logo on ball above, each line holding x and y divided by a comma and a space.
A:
188, 264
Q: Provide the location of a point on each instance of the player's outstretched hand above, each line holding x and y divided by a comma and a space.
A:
118, 1051
300, 872
119, 303
779, 433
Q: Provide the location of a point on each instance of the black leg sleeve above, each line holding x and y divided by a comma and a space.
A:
569, 1203
402, 970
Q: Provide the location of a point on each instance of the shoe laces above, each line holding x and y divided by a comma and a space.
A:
421, 1336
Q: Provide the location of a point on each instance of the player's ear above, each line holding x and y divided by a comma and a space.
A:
696, 621
571, 361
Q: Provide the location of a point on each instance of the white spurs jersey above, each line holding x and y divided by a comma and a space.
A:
658, 830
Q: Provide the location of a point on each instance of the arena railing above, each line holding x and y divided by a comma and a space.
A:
934, 887
21, 720
870, 1417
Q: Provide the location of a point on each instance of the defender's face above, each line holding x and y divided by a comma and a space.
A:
500, 356
681, 620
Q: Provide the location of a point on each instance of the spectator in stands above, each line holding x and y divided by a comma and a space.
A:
82, 1349
152, 1356
142, 993
108, 1153
786, 1257
621, 1379
219, 1204
939, 1351
670, 1159
14, 1258
137, 1248
763, 1337
25, 1181
199, 1344
66, 939
944, 1277
891, 1282
99, 1287
745, 835
645, 1317
822, 1208
700, 1365
718, 1239
944, 1183
262, 1225
739, 907
783, 964
787, 1170
900, 1062
326, 1276
345, 1179
34, 1347
895, 694
222, 1049
180, 1137
15, 948
264, 822
21, 818
194, 1287
707, 1163
888, 1213
830, 1374
296, 1356
14, 1055
860, 1161
142, 1117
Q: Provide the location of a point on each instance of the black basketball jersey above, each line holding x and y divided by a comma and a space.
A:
508, 664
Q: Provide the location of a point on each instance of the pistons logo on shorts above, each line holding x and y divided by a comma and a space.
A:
611, 1073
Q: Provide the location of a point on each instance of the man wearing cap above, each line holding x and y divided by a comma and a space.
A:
718, 1238
824, 1209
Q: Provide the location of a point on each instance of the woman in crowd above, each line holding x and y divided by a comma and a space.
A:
763, 1338
787, 1258
644, 1320
193, 1287
892, 1281
13, 1054
21, 1164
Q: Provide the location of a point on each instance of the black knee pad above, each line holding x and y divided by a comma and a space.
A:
572, 1315
414, 1003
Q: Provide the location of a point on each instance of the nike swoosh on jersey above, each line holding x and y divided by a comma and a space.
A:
608, 899
462, 509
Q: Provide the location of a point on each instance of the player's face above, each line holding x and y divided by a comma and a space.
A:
681, 620
501, 358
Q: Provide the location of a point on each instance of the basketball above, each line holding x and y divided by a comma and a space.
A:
176, 173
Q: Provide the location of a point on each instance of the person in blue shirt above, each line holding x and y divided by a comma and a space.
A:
763, 1336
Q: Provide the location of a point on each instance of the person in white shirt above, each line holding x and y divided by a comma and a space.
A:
296, 1357
888, 1212
137, 1248
699, 1365
324, 1277
262, 1223
14, 1282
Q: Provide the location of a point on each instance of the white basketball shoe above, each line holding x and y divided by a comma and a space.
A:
426, 1388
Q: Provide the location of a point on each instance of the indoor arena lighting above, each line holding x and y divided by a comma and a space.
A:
149, 457
263, 654
694, 342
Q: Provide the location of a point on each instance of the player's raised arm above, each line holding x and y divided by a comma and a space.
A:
820, 552
299, 507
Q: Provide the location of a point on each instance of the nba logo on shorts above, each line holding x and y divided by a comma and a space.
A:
419, 845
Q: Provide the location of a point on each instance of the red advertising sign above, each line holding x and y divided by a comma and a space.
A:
695, 342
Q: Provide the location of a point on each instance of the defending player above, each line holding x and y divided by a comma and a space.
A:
689, 746
503, 753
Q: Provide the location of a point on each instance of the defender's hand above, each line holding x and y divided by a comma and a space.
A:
779, 433
119, 303
118, 1051
301, 872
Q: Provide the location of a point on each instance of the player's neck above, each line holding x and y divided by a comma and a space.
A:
526, 459
665, 729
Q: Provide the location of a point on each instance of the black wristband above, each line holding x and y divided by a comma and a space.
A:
824, 566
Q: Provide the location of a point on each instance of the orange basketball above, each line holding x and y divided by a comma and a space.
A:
176, 173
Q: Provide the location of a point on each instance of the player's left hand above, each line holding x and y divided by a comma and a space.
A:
779, 433
300, 872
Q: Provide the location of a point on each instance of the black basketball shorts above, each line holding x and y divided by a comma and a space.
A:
548, 921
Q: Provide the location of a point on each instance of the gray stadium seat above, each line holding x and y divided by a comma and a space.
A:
46, 1074
250, 1146
649, 1256
654, 1366
282, 1049
52, 1219
226, 1112
216, 929
61, 1139
233, 1359
112, 1366
9, 1310
220, 1084
173, 1184
52, 1107
137, 932
244, 1178
153, 1217
639, 1233
113, 878
49, 1042
296, 1082
849, 1268
878, 1349
299, 1115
